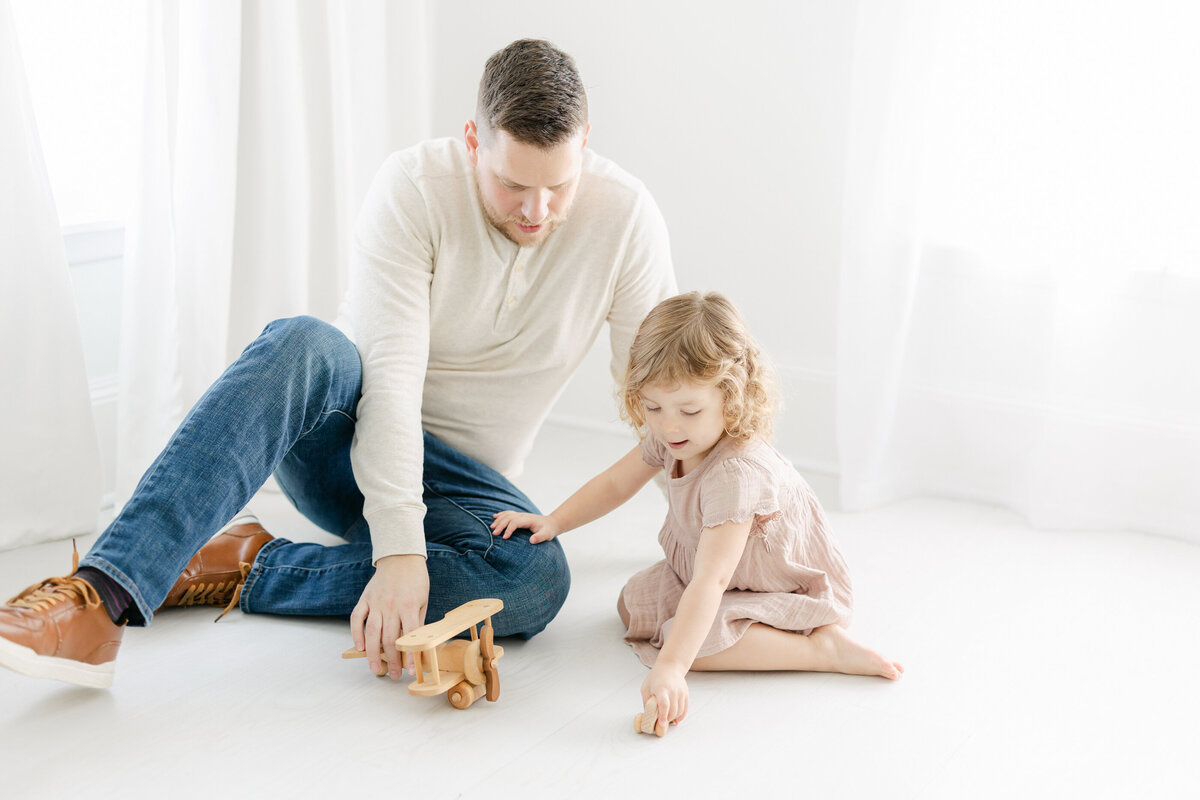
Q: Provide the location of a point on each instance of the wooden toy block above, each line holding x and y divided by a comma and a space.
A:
464, 670
647, 721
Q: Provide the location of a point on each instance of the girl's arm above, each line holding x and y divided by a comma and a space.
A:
717, 557
596, 498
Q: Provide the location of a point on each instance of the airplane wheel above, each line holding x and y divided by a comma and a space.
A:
461, 695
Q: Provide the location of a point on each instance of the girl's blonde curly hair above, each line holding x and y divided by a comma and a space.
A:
702, 339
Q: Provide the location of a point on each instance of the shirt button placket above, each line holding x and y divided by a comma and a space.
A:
516, 281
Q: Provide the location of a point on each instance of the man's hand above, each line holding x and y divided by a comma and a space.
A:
393, 603
544, 528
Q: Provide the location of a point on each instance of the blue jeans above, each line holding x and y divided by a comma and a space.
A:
287, 406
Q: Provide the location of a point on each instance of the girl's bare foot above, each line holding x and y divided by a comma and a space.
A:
847, 656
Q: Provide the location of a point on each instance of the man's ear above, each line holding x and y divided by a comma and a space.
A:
586, 131
471, 138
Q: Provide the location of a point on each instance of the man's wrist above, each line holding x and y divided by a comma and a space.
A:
398, 560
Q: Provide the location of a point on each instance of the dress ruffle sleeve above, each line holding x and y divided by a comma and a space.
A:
654, 454
737, 490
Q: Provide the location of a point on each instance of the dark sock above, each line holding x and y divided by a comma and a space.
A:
117, 602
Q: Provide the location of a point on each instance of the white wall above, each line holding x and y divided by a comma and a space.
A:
735, 119
736, 122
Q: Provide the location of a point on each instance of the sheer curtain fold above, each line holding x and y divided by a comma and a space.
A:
1020, 297
263, 125
880, 239
50, 476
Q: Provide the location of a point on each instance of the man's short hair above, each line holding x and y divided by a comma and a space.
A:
532, 91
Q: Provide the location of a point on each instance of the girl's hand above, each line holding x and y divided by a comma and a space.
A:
669, 688
544, 528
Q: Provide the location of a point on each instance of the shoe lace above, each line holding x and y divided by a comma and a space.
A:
50, 592
211, 594
208, 594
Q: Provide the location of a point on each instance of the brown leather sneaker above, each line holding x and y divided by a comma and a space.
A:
215, 575
59, 629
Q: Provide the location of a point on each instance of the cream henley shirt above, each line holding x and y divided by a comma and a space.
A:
471, 337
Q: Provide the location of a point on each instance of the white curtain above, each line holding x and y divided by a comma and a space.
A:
264, 123
1020, 293
50, 478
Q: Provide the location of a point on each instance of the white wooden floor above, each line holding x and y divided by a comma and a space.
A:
1039, 664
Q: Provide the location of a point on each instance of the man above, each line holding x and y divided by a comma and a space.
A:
482, 271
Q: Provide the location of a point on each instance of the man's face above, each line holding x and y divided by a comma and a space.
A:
527, 190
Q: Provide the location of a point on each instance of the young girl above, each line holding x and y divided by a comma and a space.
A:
751, 579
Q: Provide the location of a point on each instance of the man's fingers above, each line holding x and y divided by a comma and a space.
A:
411, 621
356, 625
371, 641
391, 631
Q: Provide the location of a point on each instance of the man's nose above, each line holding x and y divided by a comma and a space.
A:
536, 207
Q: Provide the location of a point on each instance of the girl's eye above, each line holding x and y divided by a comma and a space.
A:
690, 413
651, 409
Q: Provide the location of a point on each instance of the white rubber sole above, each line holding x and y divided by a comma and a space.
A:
21, 659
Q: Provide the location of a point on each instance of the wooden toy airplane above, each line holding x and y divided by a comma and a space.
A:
465, 670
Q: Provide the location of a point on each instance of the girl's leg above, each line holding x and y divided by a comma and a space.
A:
826, 649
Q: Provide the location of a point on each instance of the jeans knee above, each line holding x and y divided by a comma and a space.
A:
543, 590
302, 334
556, 583
307, 346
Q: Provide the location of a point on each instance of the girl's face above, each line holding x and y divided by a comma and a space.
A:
688, 418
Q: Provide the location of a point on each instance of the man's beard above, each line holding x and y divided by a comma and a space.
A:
501, 223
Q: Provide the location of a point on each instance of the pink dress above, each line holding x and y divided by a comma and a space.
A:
791, 575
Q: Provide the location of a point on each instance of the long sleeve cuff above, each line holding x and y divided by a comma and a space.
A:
397, 531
